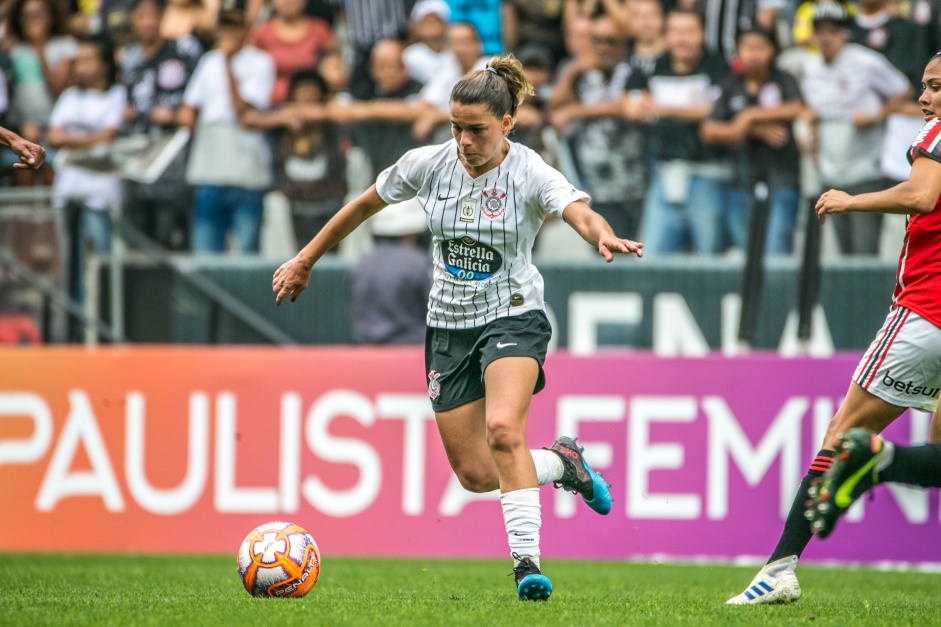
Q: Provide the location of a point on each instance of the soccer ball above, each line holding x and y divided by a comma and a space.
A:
279, 559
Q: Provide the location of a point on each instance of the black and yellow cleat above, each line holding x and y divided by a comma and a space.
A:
855, 471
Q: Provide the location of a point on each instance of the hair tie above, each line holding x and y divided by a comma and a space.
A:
491, 70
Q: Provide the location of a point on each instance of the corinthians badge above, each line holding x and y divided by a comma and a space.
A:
492, 204
434, 387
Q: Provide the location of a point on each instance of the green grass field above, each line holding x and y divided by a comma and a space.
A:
128, 590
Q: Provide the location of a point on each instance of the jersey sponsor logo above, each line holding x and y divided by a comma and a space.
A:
909, 387
492, 204
468, 259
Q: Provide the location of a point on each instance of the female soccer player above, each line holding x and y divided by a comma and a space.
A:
901, 369
485, 199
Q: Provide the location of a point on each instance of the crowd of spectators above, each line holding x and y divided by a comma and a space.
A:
670, 113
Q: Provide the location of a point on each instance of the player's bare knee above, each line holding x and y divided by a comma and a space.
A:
476, 479
503, 436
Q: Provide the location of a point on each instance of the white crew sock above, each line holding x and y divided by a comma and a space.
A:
548, 466
522, 518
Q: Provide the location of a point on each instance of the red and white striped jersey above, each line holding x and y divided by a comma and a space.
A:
918, 279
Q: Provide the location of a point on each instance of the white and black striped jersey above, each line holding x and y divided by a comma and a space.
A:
483, 229
368, 21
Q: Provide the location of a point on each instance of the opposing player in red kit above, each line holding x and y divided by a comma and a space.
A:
900, 370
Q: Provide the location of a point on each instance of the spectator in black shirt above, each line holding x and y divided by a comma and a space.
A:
686, 197
878, 26
155, 71
607, 150
647, 42
385, 140
754, 114
310, 152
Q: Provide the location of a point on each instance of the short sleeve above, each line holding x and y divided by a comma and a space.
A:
928, 142
790, 89
555, 192
722, 110
59, 49
402, 180
189, 50
62, 112
193, 95
322, 32
437, 91
718, 72
885, 78
117, 101
255, 86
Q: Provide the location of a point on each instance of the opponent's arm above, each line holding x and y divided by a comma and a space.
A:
595, 230
293, 276
919, 194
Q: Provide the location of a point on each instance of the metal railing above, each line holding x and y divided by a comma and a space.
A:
34, 201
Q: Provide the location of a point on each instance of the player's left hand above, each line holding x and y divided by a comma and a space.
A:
609, 245
832, 201
31, 155
290, 280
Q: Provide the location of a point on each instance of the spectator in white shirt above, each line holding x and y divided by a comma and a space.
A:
465, 45
230, 165
849, 91
85, 119
89, 116
428, 27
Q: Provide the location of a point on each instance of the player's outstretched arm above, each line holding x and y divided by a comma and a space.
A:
31, 155
919, 194
293, 276
595, 230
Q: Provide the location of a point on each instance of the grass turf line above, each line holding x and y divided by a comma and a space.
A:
205, 590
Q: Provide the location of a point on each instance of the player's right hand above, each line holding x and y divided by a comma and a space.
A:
290, 280
832, 201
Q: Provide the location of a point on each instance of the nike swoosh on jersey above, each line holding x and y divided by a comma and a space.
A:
505, 344
443, 198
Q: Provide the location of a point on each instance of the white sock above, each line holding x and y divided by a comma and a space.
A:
548, 466
522, 518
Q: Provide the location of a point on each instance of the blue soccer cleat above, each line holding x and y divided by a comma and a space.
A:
531, 585
579, 478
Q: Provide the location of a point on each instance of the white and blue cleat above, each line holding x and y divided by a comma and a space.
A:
775, 583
